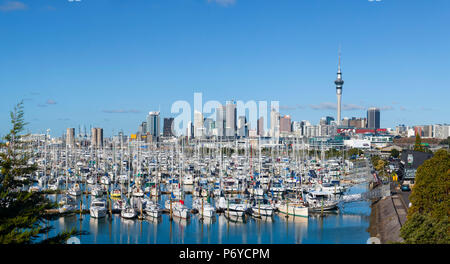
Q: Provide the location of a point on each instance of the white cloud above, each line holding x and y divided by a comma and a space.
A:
8, 6
223, 2
333, 106
121, 111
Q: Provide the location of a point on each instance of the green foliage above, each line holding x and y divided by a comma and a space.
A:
395, 153
430, 193
445, 141
374, 159
428, 216
22, 213
331, 153
354, 152
418, 145
424, 229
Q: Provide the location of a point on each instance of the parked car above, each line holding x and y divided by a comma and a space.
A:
405, 188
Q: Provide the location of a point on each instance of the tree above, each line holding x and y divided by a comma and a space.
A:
428, 215
22, 213
418, 144
395, 153
424, 229
354, 152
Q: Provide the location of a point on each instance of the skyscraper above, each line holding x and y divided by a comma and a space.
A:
230, 122
208, 123
153, 120
260, 127
220, 121
97, 137
198, 124
70, 137
285, 124
339, 83
373, 118
242, 127
190, 130
94, 137
168, 127
274, 123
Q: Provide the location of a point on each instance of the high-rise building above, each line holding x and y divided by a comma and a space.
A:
358, 122
260, 127
329, 119
209, 125
70, 137
94, 137
339, 83
274, 123
441, 131
230, 122
198, 124
297, 128
97, 137
168, 127
285, 124
242, 127
373, 118
345, 122
428, 131
220, 121
153, 127
190, 130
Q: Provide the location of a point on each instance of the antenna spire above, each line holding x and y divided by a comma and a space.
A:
339, 54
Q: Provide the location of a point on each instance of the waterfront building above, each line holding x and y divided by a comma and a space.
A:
357, 143
153, 127
70, 137
373, 118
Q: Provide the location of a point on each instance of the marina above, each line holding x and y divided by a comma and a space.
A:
185, 194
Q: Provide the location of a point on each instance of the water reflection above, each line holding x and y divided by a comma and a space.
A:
346, 226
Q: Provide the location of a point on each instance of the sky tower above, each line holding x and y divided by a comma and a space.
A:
339, 83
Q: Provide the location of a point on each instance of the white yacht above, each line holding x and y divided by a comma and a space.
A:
75, 190
98, 208
295, 208
233, 206
128, 213
204, 208
178, 209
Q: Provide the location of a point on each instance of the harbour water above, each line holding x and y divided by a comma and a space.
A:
346, 226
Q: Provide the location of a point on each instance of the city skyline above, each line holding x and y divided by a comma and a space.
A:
100, 72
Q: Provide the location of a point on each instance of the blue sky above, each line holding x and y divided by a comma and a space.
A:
108, 63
